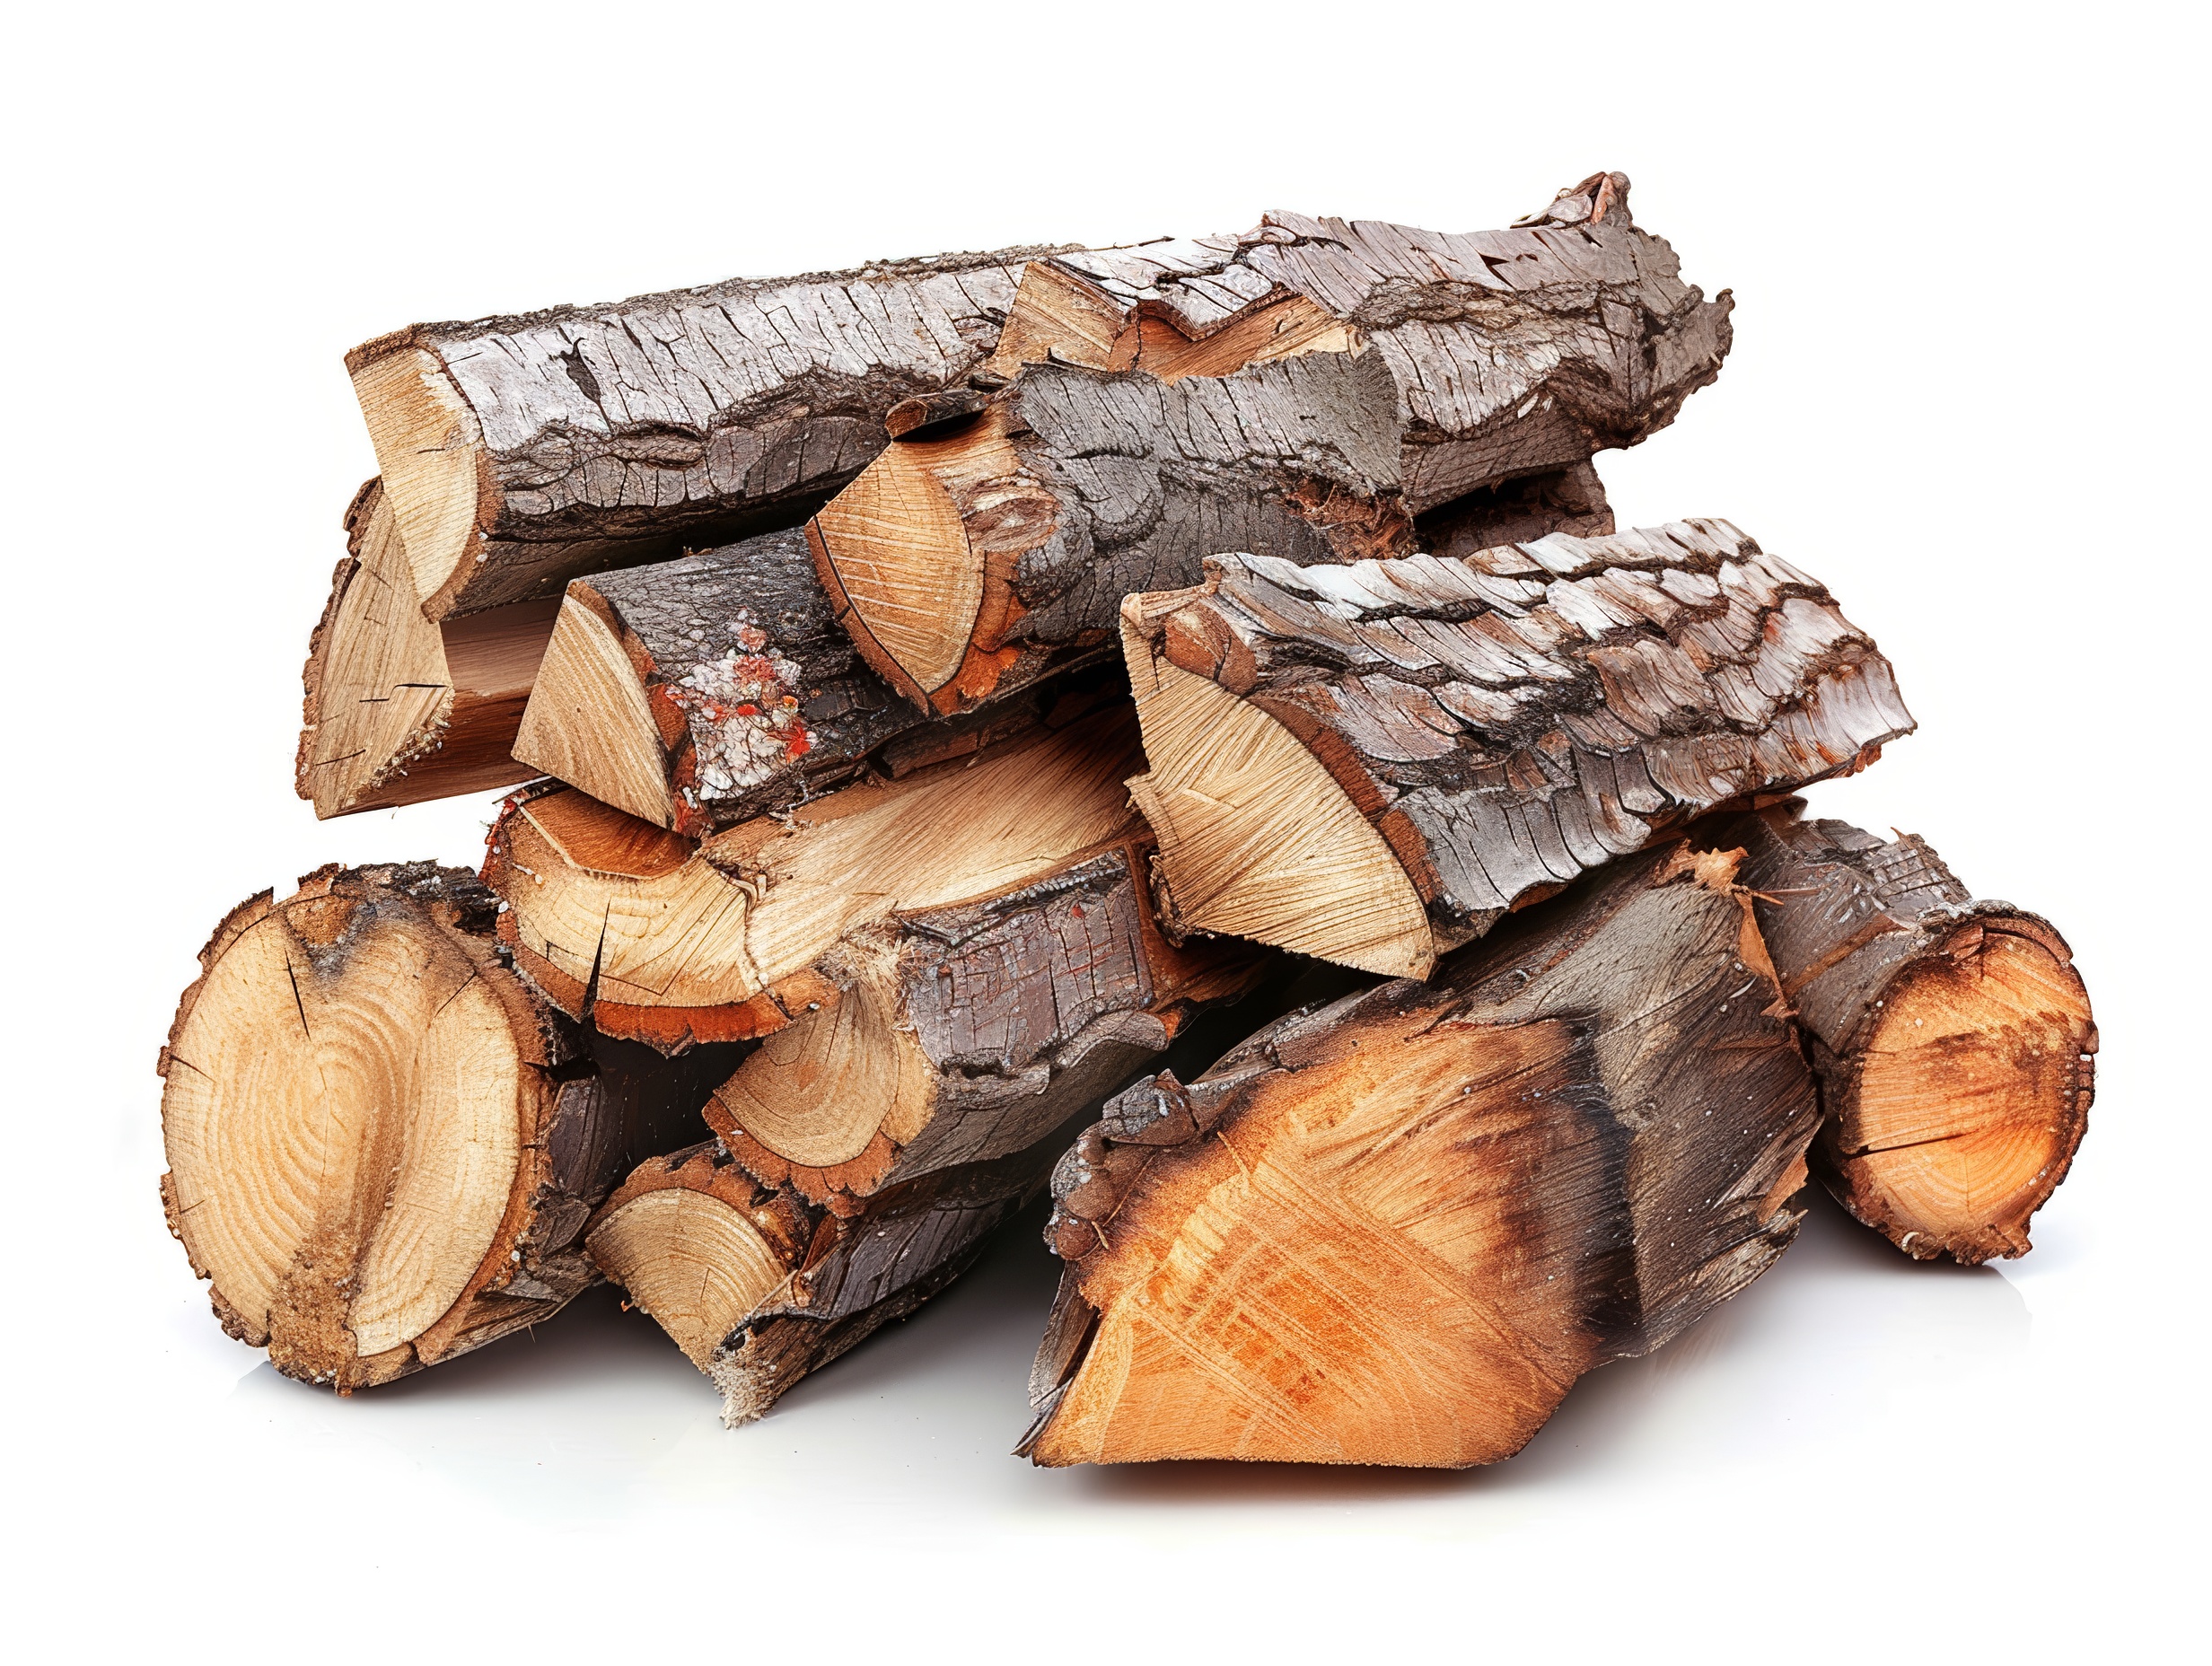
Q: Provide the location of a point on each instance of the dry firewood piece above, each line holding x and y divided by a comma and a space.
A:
521, 452
655, 939
1396, 1229
1952, 1038
383, 1148
398, 709
758, 1286
966, 549
964, 1034
1372, 763
704, 691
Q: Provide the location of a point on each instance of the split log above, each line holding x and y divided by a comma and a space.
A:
521, 452
704, 691
400, 710
1952, 1038
652, 938
1374, 763
384, 1149
1397, 1229
1421, 368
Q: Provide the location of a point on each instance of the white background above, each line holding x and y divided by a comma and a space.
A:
1967, 391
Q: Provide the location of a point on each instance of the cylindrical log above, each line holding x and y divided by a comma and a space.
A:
383, 1148
1395, 1230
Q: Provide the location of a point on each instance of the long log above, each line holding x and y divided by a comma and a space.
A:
1396, 1230
384, 1149
1952, 1037
1374, 763
399, 710
996, 531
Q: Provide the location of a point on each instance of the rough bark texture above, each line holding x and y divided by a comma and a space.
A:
1472, 361
700, 692
383, 1148
1569, 500
523, 451
398, 709
1490, 727
1395, 1229
1952, 1037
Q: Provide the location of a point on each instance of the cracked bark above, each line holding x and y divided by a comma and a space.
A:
384, 1149
1375, 763
1952, 1037
1397, 1228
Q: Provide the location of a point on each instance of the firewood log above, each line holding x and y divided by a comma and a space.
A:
1395, 1230
384, 1149
985, 536
521, 452
1952, 1038
1372, 763
653, 938
399, 710
704, 691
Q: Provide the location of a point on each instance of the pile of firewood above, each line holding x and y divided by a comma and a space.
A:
951, 690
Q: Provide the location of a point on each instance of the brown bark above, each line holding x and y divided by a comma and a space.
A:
1397, 1228
384, 1149
399, 710
1449, 366
1952, 1038
1375, 763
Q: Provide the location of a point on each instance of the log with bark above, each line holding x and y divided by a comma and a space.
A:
383, 1148
1952, 1038
399, 710
652, 938
1374, 763
996, 531
1395, 1230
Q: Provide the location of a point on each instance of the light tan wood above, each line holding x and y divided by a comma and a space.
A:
588, 719
1257, 839
430, 453
691, 1261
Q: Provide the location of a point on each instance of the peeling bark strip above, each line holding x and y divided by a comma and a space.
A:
1372, 763
1458, 363
760, 1287
521, 452
383, 1148
964, 1034
701, 692
653, 939
1396, 1229
399, 710
1952, 1038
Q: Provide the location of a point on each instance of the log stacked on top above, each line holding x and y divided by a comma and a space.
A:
960, 686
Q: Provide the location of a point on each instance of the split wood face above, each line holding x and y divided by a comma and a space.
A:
1953, 1038
1396, 1229
1374, 763
399, 710
656, 940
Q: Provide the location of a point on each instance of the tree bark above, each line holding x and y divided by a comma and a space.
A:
399, 710
1453, 364
652, 938
1952, 1038
1396, 1229
1375, 763
701, 692
384, 1149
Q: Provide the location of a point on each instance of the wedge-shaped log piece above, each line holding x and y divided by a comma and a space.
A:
760, 1287
1396, 1229
1372, 763
384, 1149
521, 452
1952, 1038
398, 709
701, 692
966, 1033
658, 939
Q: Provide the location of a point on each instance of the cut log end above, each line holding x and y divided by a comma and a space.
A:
429, 450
